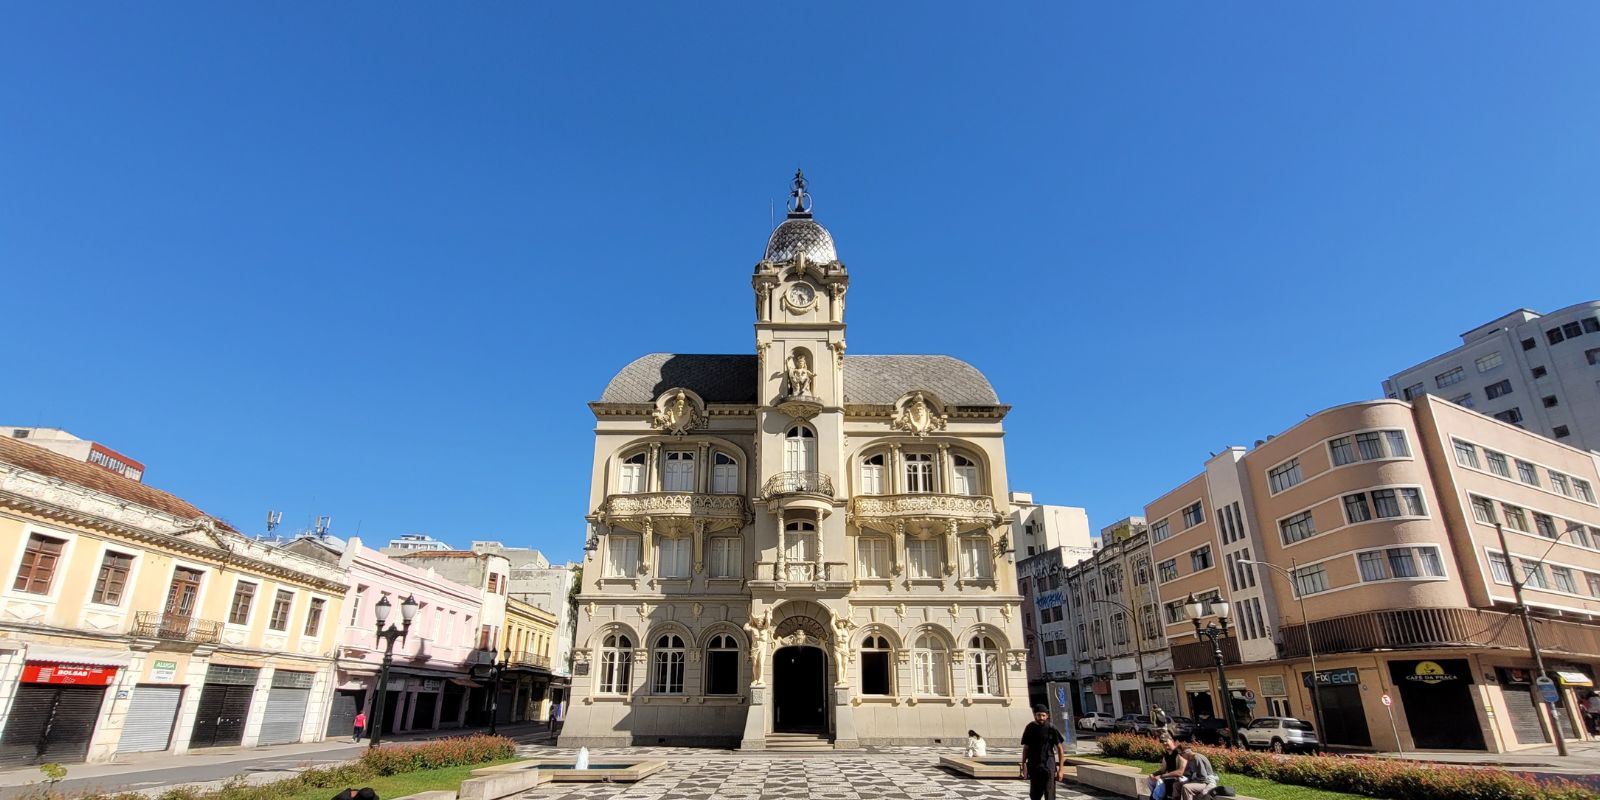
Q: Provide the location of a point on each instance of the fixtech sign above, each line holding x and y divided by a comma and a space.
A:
1430, 672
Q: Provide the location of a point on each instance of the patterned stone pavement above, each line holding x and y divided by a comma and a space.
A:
901, 773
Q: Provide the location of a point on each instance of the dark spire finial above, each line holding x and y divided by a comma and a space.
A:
799, 199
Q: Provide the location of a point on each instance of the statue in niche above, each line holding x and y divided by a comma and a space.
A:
799, 374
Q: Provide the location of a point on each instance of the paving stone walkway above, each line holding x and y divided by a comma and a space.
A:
692, 774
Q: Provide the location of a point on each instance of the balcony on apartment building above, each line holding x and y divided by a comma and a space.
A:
660, 511
522, 659
166, 627
890, 513
799, 490
831, 578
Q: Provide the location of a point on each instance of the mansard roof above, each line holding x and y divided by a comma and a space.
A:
868, 380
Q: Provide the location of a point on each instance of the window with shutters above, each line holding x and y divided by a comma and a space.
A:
113, 578
244, 595
38, 566
632, 478
965, 472
872, 475
724, 474
282, 603
678, 474
931, 663
800, 450
727, 557
314, 618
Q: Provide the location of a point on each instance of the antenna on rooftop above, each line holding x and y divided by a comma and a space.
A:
323, 523
274, 519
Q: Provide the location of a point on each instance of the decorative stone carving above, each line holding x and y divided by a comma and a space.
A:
916, 417
799, 373
667, 510
759, 629
894, 513
698, 609
838, 353
677, 412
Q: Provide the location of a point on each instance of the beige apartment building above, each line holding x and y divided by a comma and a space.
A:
132, 622
797, 546
1383, 512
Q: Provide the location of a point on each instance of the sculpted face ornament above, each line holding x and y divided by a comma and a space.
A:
917, 417
676, 413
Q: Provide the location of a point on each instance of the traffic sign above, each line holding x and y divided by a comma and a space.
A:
1547, 690
1387, 700
1249, 696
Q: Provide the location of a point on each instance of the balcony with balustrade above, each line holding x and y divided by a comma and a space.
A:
811, 491
175, 629
524, 660
809, 578
893, 513
644, 511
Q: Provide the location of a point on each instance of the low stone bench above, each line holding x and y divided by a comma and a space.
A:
492, 783
1126, 781
437, 794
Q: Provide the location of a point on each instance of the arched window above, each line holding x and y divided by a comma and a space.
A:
632, 479
667, 665
872, 475
800, 550
965, 473
678, 475
932, 662
977, 561
616, 664
985, 660
919, 472
800, 450
722, 665
724, 474
876, 656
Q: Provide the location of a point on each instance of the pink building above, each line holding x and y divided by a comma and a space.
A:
430, 681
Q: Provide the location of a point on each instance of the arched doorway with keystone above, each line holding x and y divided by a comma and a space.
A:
801, 671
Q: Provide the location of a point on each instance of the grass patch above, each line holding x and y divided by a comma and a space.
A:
405, 783
1243, 784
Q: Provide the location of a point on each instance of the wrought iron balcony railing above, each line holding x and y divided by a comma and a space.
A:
176, 628
522, 658
787, 483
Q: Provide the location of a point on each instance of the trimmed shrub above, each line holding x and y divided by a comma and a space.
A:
1373, 777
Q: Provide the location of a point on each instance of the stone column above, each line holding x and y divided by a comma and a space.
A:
781, 570
897, 472
950, 543
646, 547
703, 467
653, 474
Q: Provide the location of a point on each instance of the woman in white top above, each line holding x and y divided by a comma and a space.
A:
976, 746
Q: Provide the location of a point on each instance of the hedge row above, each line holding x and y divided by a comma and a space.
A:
437, 754
1374, 777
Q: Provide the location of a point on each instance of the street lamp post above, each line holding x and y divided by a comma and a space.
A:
1216, 632
1553, 728
491, 673
1138, 652
1305, 622
408, 612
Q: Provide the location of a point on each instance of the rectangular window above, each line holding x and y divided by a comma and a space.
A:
919, 472
1554, 336
1193, 515
1483, 510
1515, 519
38, 564
1527, 473
1591, 324
1402, 563
1550, 401
1544, 525
1583, 490
724, 474
1411, 499
244, 595
1560, 432
1539, 372
314, 617
1200, 558
1432, 564
1233, 575
1385, 504
1592, 355
1356, 509
1465, 401
1159, 532
1247, 572
1413, 391
1367, 445
1511, 415
1371, 565
678, 476
1594, 583
922, 558
1500, 389
1529, 344
1174, 611
976, 561
1450, 378
1396, 442
632, 481
1562, 577
872, 477
1284, 475
1497, 463
1489, 362
1498, 569
1311, 580
113, 578
282, 602
1533, 574
1298, 527
673, 557
1572, 329
1466, 454
872, 557
1342, 452
1168, 570
622, 556
355, 605
727, 557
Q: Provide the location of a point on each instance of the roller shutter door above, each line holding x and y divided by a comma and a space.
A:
50, 722
342, 717
224, 705
148, 727
286, 707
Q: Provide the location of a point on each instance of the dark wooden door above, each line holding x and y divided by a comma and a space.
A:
181, 597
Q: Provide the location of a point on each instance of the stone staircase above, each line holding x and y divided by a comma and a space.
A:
798, 742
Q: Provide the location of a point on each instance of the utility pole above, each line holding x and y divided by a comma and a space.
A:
1548, 718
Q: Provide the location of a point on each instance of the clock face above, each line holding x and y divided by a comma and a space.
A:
801, 294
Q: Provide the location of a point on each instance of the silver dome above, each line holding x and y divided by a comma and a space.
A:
801, 235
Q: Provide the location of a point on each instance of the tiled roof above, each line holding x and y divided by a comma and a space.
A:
867, 379
71, 470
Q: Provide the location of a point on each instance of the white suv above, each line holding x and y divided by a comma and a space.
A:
1095, 721
1280, 734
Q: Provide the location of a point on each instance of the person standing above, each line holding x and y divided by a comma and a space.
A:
1591, 712
1044, 759
361, 725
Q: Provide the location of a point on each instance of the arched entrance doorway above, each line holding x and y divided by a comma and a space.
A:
799, 690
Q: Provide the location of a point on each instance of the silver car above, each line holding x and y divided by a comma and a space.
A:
1280, 734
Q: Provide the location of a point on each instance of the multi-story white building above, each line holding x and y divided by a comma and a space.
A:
414, 543
1036, 528
1537, 371
797, 543
1046, 539
1119, 658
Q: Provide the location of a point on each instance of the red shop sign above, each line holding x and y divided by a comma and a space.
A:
81, 674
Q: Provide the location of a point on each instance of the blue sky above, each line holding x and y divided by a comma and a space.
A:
372, 259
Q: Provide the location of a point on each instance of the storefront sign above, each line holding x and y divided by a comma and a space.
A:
432, 685
1429, 672
1272, 686
1348, 676
163, 671
79, 674
1196, 686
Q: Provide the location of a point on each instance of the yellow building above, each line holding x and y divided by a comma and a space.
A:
130, 621
526, 650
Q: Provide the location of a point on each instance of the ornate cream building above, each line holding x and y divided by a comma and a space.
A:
797, 546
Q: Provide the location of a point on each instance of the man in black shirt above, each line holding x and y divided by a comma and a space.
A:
1044, 760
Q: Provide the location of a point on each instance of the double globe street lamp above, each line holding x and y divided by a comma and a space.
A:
408, 612
1216, 631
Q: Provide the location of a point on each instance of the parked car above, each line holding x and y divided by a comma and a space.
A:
1095, 721
1210, 730
1280, 734
1135, 723
1182, 728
